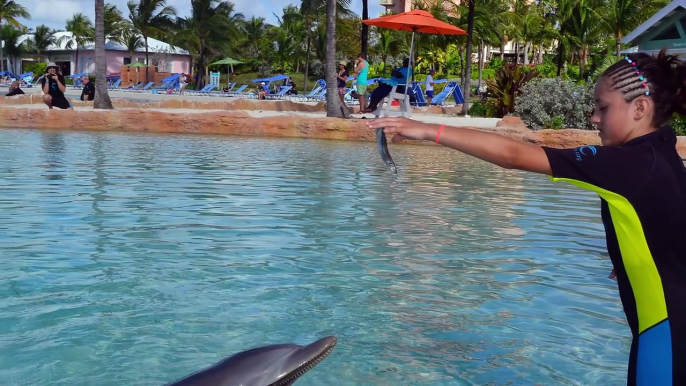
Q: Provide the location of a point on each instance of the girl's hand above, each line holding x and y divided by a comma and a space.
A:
404, 128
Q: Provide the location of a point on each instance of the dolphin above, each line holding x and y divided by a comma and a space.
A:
274, 365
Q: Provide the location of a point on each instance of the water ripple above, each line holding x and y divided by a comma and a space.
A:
135, 259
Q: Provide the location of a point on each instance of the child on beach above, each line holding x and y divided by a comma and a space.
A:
641, 181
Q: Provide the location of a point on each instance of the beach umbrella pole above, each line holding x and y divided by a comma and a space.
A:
410, 65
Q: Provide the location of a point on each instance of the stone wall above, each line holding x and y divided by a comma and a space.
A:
233, 121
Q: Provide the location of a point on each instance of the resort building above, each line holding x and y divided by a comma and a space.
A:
164, 56
667, 28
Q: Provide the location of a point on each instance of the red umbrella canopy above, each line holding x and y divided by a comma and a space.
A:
415, 21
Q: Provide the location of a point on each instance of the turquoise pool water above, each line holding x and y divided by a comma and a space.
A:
132, 259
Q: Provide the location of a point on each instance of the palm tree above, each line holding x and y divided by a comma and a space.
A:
388, 43
13, 49
333, 102
312, 11
622, 16
133, 42
43, 38
257, 44
289, 36
115, 24
294, 23
102, 97
209, 29
150, 16
585, 26
487, 14
82, 32
563, 12
10, 11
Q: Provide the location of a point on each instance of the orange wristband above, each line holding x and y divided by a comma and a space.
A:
438, 135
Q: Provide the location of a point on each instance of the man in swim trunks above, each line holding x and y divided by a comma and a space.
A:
54, 88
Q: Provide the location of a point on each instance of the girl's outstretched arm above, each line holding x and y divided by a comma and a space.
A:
490, 147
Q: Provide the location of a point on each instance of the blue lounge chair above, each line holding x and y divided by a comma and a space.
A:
418, 93
115, 86
281, 94
445, 93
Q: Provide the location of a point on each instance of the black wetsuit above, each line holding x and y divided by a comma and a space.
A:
642, 186
58, 98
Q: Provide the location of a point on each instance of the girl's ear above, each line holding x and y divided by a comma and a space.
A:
642, 107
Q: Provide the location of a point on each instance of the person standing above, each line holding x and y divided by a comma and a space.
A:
342, 79
183, 81
88, 92
429, 86
53, 88
361, 71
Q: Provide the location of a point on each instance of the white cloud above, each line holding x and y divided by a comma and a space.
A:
55, 13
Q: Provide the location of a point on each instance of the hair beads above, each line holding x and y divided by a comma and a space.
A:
644, 83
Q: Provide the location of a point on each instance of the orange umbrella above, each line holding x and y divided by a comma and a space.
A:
415, 21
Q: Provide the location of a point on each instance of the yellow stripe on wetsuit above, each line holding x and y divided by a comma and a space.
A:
644, 278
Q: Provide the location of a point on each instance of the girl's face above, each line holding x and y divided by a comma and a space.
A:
613, 116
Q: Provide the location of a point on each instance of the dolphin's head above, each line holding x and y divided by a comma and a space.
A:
275, 365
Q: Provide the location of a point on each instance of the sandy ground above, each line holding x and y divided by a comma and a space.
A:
146, 97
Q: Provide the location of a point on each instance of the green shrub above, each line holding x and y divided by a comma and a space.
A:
555, 123
507, 86
545, 101
547, 70
481, 109
678, 124
38, 68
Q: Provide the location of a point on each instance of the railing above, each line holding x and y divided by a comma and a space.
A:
387, 2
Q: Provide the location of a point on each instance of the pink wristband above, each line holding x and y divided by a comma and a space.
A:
438, 135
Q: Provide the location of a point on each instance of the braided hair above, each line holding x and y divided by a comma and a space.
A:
661, 78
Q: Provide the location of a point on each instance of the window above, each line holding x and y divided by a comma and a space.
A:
127, 61
670, 33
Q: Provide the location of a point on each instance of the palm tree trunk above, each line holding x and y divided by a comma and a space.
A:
200, 62
468, 70
560, 59
2, 48
333, 101
147, 59
102, 97
618, 41
527, 46
365, 28
481, 66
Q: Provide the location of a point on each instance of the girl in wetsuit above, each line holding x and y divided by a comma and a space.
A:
641, 181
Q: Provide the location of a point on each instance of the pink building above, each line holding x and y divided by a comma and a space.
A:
164, 56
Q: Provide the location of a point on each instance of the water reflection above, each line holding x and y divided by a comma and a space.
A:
53, 149
181, 249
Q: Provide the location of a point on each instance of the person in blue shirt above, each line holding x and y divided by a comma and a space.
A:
398, 78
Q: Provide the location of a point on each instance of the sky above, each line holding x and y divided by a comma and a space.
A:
55, 13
